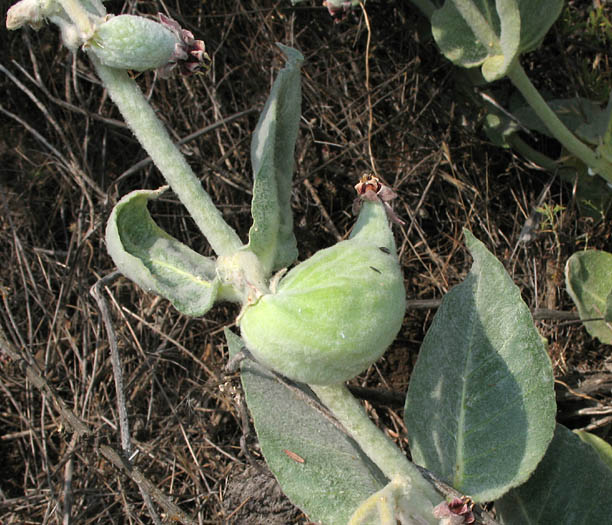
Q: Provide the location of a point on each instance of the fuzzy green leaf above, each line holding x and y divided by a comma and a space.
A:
588, 279
491, 33
335, 476
603, 448
608, 312
571, 486
495, 67
271, 236
480, 407
156, 261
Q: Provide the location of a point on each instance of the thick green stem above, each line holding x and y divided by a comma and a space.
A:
151, 133
378, 447
531, 154
558, 130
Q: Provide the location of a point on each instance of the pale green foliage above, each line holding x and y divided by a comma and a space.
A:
335, 476
480, 407
392, 505
492, 33
571, 486
603, 448
588, 278
271, 237
156, 261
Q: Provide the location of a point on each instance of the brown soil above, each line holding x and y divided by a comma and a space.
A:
66, 158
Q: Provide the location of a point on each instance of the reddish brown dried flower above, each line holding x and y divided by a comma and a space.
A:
456, 512
189, 54
370, 188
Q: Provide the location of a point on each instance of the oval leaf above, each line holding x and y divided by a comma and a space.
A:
571, 486
156, 261
470, 32
271, 236
319, 468
588, 279
480, 407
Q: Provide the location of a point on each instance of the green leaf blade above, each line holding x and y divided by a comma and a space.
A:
480, 406
495, 67
588, 279
492, 33
156, 261
271, 237
335, 477
571, 486
603, 448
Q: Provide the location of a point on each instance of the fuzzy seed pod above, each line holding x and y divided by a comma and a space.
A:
336, 313
134, 42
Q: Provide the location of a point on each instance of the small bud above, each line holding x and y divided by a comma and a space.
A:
334, 314
134, 42
29, 12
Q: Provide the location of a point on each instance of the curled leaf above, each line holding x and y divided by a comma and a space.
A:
156, 261
492, 33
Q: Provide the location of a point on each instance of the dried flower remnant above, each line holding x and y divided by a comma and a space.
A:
456, 512
189, 54
370, 188
338, 9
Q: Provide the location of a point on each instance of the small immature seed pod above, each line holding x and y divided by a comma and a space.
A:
336, 313
134, 42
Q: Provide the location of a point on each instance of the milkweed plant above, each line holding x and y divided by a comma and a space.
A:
480, 407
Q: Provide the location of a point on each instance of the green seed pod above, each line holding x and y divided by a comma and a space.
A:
133, 42
336, 313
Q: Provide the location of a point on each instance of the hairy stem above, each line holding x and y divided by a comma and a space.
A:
558, 130
378, 447
151, 133
79, 17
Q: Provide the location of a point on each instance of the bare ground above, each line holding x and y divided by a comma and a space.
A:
66, 158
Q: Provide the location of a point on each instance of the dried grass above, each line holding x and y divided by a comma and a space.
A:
67, 158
